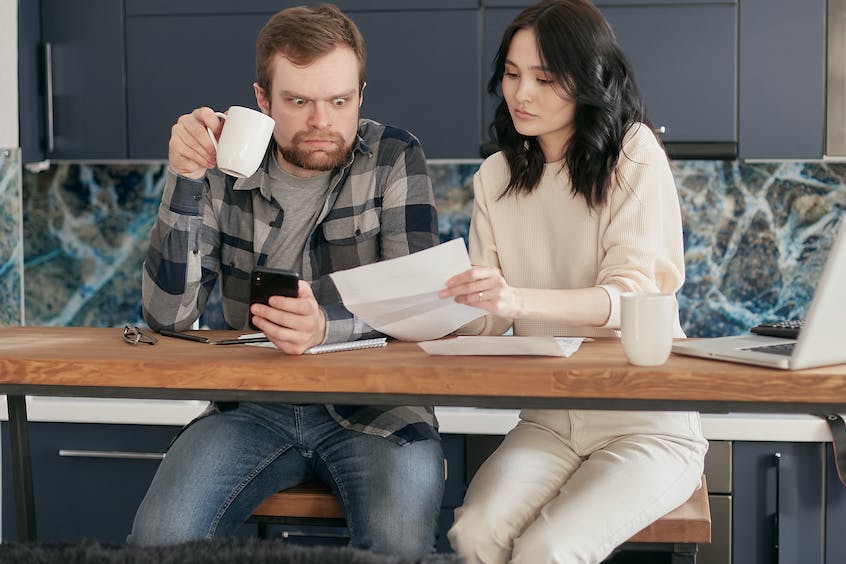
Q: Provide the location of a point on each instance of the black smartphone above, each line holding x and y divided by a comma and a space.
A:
266, 282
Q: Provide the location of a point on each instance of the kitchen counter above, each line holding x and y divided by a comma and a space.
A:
453, 420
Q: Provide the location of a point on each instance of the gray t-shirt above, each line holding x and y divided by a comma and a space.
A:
303, 201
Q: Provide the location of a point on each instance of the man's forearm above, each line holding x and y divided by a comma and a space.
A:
172, 270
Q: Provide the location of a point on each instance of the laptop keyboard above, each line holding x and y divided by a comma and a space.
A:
784, 349
784, 329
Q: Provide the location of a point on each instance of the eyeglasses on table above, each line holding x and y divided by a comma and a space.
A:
133, 335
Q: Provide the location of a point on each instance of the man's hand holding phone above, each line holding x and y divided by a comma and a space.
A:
285, 309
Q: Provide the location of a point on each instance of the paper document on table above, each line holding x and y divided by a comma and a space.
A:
505, 345
399, 297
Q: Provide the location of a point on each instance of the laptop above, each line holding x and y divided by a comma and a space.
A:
821, 342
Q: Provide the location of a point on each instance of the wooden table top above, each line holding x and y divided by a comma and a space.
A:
96, 362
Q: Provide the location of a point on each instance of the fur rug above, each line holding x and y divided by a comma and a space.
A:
217, 551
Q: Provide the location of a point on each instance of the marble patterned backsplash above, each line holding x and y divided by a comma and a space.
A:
11, 246
756, 237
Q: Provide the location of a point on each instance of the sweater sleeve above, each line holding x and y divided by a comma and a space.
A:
642, 242
483, 252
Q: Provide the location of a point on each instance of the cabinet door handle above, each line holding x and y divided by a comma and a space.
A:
776, 524
48, 96
312, 534
661, 129
119, 454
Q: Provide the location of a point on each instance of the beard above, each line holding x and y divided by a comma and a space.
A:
300, 155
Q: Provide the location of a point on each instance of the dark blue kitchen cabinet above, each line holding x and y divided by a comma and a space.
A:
122, 73
178, 63
193, 7
88, 478
30, 78
685, 62
778, 505
423, 75
721, 77
782, 79
835, 511
684, 56
72, 88
419, 79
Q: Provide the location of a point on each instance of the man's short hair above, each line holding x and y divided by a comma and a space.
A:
303, 34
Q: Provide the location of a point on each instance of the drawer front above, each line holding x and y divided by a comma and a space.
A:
88, 478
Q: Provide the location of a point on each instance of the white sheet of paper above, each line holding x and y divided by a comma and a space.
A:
504, 345
399, 297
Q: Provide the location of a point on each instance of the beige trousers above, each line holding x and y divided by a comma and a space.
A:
569, 486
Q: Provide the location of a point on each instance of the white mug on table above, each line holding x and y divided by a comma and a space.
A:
243, 140
646, 324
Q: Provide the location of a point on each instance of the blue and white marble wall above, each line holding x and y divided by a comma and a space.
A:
11, 245
756, 239
756, 236
85, 236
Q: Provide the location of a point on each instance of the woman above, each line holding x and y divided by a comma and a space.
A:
578, 207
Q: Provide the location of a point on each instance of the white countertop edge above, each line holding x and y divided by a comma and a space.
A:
716, 427
453, 420
108, 411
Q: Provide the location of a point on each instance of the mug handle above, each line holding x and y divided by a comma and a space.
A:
221, 115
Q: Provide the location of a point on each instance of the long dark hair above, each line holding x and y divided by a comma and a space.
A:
578, 48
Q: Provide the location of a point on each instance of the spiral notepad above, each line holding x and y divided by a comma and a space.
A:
348, 346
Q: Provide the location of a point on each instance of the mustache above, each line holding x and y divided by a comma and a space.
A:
302, 136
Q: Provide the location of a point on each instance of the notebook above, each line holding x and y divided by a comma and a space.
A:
253, 339
349, 346
820, 342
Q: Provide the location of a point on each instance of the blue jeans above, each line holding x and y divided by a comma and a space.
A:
225, 464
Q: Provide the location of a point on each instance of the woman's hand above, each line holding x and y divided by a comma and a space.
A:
485, 288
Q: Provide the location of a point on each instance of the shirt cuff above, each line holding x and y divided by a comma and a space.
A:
340, 324
326, 328
186, 195
613, 321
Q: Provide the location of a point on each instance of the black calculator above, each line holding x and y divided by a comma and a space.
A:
784, 329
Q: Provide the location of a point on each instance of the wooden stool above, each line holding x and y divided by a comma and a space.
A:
311, 503
680, 531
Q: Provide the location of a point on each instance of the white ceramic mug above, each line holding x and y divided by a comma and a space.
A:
243, 141
646, 323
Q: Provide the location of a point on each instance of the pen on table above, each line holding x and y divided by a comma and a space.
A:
185, 336
241, 341
197, 338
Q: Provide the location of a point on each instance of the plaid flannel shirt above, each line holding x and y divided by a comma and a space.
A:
215, 229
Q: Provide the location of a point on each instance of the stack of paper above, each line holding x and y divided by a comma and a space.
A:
505, 345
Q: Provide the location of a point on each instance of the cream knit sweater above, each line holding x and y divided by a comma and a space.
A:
551, 239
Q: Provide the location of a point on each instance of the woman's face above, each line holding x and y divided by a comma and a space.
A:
536, 103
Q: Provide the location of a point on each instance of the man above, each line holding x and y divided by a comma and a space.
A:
333, 192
